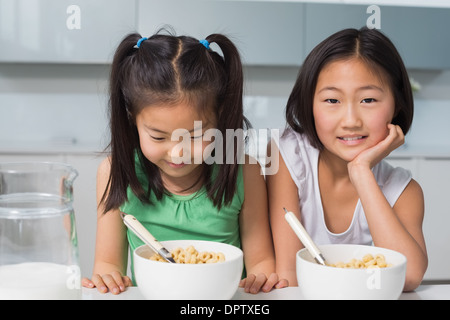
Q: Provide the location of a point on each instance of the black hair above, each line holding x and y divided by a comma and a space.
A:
168, 69
373, 48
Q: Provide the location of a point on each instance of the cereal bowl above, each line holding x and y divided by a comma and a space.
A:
173, 281
326, 282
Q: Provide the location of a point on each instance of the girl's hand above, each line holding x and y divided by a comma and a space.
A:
370, 157
255, 283
114, 282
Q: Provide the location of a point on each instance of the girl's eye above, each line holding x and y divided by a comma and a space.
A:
157, 138
332, 101
368, 100
197, 137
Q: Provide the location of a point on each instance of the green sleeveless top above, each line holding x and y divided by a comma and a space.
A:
185, 217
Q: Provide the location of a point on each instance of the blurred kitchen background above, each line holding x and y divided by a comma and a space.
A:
55, 57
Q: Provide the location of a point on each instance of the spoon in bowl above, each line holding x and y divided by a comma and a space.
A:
304, 237
138, 229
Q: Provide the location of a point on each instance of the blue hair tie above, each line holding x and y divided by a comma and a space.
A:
138, 44
205, 43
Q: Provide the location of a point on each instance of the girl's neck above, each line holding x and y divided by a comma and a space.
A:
336, 168
184, 185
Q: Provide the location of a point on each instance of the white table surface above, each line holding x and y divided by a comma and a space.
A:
423, 292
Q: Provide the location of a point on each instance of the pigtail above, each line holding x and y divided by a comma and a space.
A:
122, 129
230, 116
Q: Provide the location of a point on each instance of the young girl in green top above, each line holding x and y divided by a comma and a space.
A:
161, 86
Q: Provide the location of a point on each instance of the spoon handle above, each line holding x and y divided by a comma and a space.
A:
304, 237
138, 229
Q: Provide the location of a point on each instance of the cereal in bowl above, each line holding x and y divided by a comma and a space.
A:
191, 256
368, 261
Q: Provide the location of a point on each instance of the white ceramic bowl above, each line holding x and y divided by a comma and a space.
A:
325, 282
215, 281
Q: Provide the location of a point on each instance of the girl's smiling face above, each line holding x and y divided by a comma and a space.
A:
157, 123
352, 107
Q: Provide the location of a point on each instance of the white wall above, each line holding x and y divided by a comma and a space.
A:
51, 107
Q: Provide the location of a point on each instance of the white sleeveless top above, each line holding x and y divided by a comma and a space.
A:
302, 161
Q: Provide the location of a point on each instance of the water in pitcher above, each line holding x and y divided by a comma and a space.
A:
38, 240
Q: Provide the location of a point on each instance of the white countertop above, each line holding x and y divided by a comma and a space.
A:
424, 292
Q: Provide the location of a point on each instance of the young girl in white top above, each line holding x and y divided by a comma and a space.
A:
350, 107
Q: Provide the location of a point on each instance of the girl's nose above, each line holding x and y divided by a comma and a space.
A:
351, 117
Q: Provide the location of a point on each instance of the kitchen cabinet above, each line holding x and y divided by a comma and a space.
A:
76, 31
283, 33
433, 175
266, 33
417, 32
322, 20
276, 33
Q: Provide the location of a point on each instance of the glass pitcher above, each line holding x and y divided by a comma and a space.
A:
38, 239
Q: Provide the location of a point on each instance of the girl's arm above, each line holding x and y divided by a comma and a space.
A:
255, 233
398, 228
283, 193
111, 244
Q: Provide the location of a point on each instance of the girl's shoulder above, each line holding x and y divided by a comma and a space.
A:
293, 145
392, 180
250, 167
386, 173
250, 172
299, 156
104, 168
290, 137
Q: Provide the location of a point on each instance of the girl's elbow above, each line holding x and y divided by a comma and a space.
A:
414, 279
411, 284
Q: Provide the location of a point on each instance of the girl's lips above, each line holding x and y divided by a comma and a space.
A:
352, 140
175, 165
